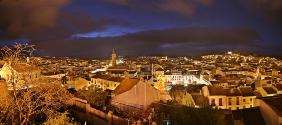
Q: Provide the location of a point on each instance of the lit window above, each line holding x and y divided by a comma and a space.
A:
220, 101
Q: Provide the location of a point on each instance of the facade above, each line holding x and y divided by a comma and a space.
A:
136, 94
175, 79
232, 99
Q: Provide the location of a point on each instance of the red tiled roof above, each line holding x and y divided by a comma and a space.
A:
125, 85
108, 77
279, 87
247, 91
218, 90
269, 90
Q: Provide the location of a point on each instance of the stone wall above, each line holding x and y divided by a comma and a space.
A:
109, 117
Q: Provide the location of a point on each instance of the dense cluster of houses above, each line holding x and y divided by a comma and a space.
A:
229, 82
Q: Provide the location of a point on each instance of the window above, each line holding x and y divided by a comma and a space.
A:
229, 101
237, 101
220, 101
251, 99
244, 100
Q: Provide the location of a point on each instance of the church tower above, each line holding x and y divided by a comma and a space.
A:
114, 58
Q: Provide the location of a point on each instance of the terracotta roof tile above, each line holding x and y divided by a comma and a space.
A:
269, 90
125, 85
279, 87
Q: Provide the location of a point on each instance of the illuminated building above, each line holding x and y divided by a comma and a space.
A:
106, 81
232, 99
113, 58
185, 80
133, 93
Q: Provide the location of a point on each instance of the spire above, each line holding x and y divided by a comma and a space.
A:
114, 51
113, 58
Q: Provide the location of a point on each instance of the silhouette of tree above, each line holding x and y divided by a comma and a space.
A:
183, 115
95, 96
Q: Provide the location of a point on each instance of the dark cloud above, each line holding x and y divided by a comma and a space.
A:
200, 35
184, 41
183, 7
19, 17
270, 9
46, 20
74, 22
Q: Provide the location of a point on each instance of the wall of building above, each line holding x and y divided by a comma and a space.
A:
229, 102
140, 96
269, 115
185, 79
218, 101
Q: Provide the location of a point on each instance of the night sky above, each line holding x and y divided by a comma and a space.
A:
91, 28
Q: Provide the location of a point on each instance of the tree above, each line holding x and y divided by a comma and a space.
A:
24, 105
5, 101
17, 52
38, 97
60, 120
183, 115
95, 96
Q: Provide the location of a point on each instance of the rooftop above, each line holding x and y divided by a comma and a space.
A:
125, 85
218, 90
279, 87
270, 90
108, 77
247, 91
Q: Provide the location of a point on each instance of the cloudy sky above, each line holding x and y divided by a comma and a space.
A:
91, 28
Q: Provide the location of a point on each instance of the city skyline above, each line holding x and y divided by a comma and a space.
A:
140, 62
91, 28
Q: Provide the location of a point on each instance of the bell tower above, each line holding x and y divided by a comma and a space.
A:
114, 58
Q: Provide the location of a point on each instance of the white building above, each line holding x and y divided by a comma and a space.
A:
185, 79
